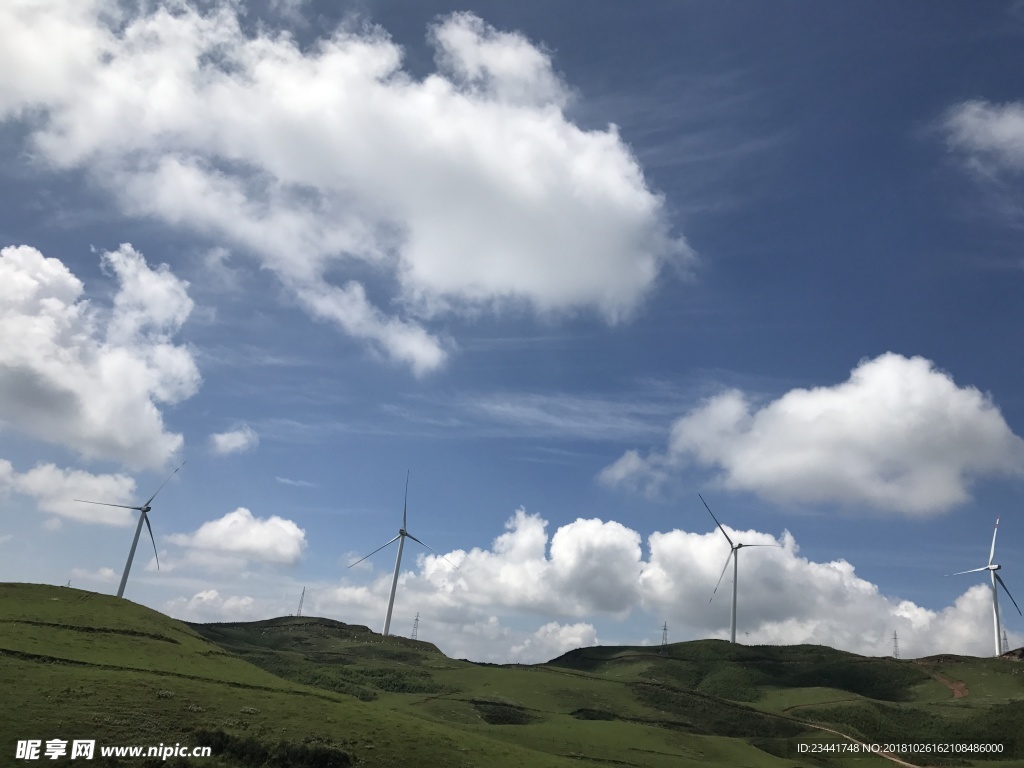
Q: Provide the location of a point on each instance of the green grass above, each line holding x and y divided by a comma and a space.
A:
305, 692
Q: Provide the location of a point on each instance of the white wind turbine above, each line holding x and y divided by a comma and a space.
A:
400, 538
734, 556
143, 518
995, 578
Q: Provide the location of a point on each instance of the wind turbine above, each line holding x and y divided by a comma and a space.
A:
400, 538
995, 578
734, 556
143, 518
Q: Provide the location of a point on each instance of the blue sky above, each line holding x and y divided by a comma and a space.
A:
567, 270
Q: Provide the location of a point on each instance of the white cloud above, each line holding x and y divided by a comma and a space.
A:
590, 565
788, 599
991, 135
467, 190
208, 605
899, 435
93, 381
515, 603
239, 440
554, 639
101, 575
269, 540
54, 490
295, 483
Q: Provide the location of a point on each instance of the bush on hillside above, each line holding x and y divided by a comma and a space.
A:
251, 753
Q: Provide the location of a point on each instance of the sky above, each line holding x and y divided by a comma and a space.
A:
564, 267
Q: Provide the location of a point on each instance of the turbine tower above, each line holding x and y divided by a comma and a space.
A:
143, 518
993, 570
734, 556
400, 538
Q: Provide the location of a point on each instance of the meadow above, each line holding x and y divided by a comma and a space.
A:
309, 692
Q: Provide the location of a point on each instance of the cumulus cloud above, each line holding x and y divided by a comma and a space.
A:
787, 599
54, 491
784, 598
898, 435
239, 440
269, 540
209, 605
503, 612
990, 135
587, 565
467, 190
554, 639
93, 380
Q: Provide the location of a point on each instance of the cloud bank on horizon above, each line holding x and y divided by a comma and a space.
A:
331, 160
593, 569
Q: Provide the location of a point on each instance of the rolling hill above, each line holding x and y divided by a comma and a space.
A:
298, 691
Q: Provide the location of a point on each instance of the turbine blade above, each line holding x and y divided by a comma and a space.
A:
758, 545
405, 504
378, 549
992, 552
152, 538
716, 522
104, 504
973, 570
731, 553
163, 484
1001, 584
453, 565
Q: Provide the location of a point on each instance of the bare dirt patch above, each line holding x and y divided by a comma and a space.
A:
957, 687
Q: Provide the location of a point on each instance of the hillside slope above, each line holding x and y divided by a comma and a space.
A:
80, 665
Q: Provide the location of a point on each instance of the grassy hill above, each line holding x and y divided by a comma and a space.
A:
305, 692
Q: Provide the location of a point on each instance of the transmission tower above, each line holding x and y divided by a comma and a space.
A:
664, 634
301, 599
416, 626
895, 645
1006, 642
